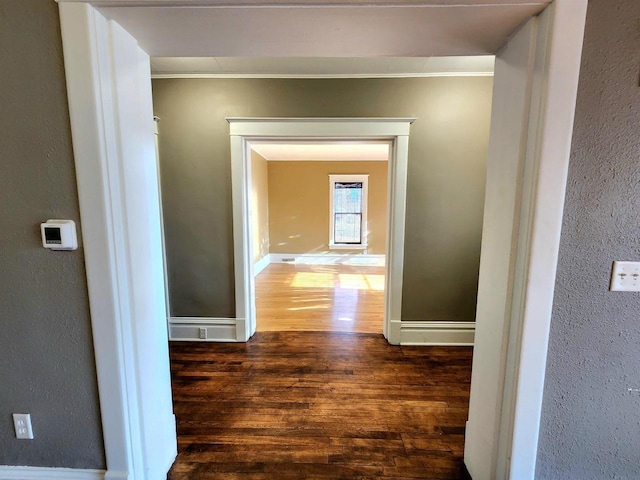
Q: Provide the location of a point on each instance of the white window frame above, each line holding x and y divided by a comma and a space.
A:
364, 179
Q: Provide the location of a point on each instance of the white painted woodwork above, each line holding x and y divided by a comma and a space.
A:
50, 473
306, 3
509, 123
555, 86
243, 130
218, 329
261, 264
113, 137
321, 67
167, 299
329, 151
332, 258
436, 333
534, 99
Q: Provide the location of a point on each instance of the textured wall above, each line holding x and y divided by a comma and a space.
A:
445, 191
46, 352
299, 219
591, 423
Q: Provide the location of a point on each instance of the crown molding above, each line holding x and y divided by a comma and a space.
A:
159, 76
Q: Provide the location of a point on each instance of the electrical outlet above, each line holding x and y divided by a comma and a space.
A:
22, 424
625, 277
202, 333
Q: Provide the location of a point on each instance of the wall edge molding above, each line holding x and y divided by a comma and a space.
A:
161, 76
187, 329
201, 321
261, 264
301, 257
437, 333
8, 472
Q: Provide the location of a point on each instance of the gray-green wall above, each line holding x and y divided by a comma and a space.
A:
445, 192
590, 421
46, 353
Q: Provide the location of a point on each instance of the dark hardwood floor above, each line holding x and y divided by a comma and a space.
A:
319, 405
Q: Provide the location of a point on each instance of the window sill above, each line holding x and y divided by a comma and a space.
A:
342, 246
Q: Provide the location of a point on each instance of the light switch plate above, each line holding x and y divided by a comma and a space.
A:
625, 277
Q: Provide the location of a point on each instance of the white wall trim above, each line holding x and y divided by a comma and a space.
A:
218, 329
261, 264
243, 131
110, 107
202, 320
442, 333
515, 294
314, 128
324, 258
555, 88
50, 473
342, 246
284, 3
320, 76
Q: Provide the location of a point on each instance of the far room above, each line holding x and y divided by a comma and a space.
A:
319, 231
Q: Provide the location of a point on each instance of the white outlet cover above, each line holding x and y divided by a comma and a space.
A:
22, 425
625, 277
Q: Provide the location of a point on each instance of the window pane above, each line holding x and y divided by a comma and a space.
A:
347, 228
347, 197
347, 212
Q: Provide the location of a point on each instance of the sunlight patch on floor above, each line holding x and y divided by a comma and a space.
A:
311, 307
312, 280
349, 281
359, 281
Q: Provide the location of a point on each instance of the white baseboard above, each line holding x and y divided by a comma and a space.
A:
261, 264
322, 258
437, 333
49, 473
111, 475
188, 329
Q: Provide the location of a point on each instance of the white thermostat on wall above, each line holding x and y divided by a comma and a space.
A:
59, 234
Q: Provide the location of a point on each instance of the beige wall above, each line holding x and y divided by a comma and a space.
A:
445, 188
260, 205
299, 205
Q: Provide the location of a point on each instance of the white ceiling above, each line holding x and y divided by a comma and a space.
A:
330, 28
325, 151
321, 67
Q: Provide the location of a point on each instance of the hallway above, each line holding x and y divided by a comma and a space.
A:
319, 405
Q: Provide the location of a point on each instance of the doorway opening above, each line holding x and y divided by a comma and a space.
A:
391, 133
319, 227
109, 94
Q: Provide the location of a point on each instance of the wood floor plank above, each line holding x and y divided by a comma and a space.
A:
319, 405
337, 298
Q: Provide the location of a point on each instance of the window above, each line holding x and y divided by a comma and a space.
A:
348, 198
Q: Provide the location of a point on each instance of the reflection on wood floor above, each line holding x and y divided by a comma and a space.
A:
338, 298
319, 405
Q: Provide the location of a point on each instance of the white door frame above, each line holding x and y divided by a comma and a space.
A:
520, 242
98, 141
243, 131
